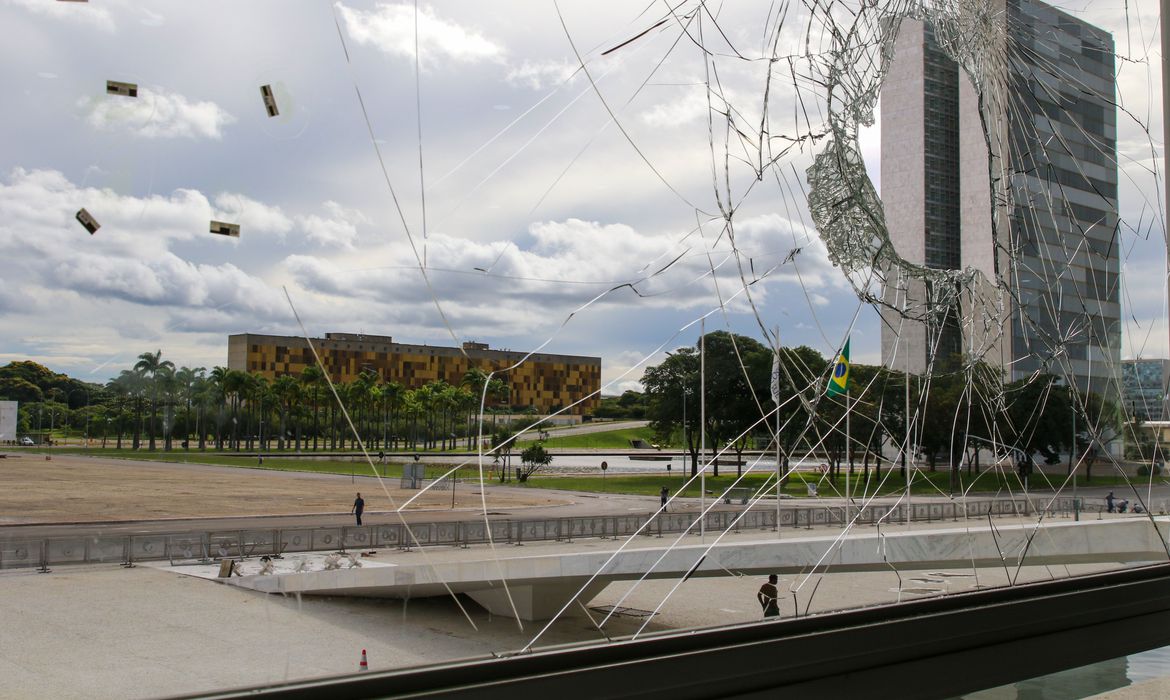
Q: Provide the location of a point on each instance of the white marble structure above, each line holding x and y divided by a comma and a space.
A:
540, 585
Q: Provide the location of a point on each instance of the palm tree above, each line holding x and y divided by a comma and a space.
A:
188, 379
392, 393
232, 385
450, 403
287, 392
220, 379
310, 379
427, 395
206, 394
148, 366
498, 392
122, 389
468, 405
166, 384
475, 379
412, 408
361, 394
254, 393
132, 384
480, 385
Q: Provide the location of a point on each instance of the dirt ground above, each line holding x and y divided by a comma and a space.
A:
70, 488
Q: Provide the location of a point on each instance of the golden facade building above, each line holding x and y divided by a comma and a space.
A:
543, 382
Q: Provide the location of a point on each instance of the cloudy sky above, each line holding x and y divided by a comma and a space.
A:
488, 193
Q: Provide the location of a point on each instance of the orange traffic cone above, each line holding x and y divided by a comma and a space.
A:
363, 666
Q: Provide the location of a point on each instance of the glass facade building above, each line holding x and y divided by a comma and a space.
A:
1143, 386
1047, 175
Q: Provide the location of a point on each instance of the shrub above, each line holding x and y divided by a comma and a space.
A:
1144, 470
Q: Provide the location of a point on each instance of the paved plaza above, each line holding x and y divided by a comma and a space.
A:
105, 631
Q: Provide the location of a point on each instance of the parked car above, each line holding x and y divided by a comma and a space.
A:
27, 441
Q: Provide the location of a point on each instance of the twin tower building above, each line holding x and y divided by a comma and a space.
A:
1019, 183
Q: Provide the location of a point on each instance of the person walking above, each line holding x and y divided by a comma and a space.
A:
358, 506
1109, 502
664, 494
769, 596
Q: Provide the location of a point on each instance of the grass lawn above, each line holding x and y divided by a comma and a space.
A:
324, 466
608, 440
925, 484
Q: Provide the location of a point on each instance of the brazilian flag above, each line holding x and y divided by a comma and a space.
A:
839, 382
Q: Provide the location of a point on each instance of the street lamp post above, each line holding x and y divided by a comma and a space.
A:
1072, 448
1076, 503
703, 428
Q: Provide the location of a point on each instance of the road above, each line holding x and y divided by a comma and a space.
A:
579, 505
172, 488
603, 427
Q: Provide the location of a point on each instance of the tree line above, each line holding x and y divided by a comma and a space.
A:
960, 413
155, 404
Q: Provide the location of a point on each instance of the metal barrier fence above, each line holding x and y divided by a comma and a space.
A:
207, 546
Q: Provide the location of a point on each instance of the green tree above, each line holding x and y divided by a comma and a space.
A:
187, 380
286, 391
503, 442
739, 371
20, 389
133, 385
1038, 416
257, 400
167, 387
1098, 423
149, 365
392, 398
533, 459
312, 380
669, 386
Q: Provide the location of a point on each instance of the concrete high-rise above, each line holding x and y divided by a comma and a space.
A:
1046, 175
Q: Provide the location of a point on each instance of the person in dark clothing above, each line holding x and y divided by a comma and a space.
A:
1109, 502
665, 496
769, 597
358, 506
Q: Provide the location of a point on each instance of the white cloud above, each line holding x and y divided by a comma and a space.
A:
151, 19
337, 230
82, 13
541, 74
691, 106
37, 210
566, 264
130, 258
252, 216
391, 28
157, 114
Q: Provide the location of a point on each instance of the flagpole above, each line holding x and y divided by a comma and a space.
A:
838, 385
848, 449
703, 430
776, 400
906, 447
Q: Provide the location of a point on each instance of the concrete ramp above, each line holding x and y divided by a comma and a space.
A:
540, 584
